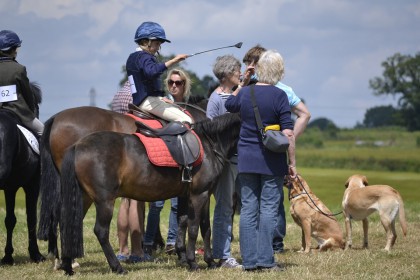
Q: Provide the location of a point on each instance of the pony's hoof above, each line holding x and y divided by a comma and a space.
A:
212, 265
119, 270
194, 267
7, 260
37, 258
182, 261
122, 272
69, 272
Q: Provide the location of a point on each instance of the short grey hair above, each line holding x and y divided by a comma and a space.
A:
270, 67
226, 66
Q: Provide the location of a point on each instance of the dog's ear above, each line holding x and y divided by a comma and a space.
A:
347, 183
365, 181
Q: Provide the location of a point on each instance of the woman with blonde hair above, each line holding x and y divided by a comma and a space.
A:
260, 171
178, 85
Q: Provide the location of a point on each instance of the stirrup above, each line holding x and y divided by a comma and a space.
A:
186, 174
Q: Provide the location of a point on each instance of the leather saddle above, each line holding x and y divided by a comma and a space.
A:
181, 142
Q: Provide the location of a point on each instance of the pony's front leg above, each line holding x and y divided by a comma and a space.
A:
205, 229
104, 211
195, 205
10, 222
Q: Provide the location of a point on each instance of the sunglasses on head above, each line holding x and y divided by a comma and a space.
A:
177, 83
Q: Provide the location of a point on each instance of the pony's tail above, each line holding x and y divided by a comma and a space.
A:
71, 222
50, 193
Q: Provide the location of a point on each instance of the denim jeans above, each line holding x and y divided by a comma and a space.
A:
173, 222
260, 195
280, 231
223, 211
153, 219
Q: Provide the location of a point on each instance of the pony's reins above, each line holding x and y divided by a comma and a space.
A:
289, 187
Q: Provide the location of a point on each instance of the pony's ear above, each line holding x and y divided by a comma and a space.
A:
365, 181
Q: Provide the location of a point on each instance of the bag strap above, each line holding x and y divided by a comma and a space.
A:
256, 111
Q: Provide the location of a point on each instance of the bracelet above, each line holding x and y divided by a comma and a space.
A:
291, 166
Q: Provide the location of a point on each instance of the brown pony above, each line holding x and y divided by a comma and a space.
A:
105, 165
60, 132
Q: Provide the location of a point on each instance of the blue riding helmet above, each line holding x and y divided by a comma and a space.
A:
150, 30
9, 39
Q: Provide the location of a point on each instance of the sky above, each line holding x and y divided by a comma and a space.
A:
331, 48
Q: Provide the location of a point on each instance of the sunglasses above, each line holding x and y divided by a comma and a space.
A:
177, 83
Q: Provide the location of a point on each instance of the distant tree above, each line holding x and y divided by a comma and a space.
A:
200, 87
381, 116
401, 76
322, 123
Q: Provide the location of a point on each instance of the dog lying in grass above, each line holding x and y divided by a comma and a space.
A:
361, 200
315, 219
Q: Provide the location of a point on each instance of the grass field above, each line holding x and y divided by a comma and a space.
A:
328, 184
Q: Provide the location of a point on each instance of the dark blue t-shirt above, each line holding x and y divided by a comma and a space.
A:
274, 108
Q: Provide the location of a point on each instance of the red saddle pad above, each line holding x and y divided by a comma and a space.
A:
156, 149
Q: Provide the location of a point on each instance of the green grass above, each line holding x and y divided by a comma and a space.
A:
359, 149
328, 184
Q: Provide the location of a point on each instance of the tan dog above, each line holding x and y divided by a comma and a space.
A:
361, 200
313, 217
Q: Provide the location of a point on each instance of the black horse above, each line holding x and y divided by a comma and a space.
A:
105, 165
19, 167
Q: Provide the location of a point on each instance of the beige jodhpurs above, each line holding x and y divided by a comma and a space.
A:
156, 106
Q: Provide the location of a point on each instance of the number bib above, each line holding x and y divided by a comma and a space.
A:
8, 93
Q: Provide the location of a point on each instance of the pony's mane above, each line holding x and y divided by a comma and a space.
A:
36, 90
219, 124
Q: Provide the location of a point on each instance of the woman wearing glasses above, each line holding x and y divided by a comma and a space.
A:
144, 73
178, 84
227, 70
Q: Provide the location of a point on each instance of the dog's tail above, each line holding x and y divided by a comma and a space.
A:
403, 221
